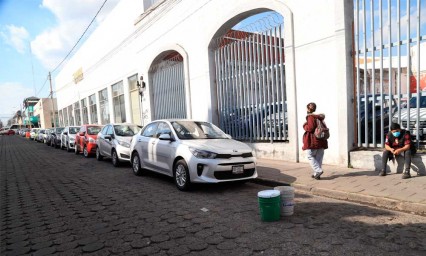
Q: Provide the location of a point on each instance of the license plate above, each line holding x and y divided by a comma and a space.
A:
237, 169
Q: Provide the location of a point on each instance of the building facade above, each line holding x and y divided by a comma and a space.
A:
186, 59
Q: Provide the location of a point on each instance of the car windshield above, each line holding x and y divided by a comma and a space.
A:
413, 102
93, 130
59, 130
126, 130
74, 130
190, 130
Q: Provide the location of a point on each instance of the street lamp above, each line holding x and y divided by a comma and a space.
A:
141, 88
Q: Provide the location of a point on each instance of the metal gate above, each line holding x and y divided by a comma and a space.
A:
168, 87
390, 82
250, 78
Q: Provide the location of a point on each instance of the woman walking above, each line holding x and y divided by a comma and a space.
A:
314, 146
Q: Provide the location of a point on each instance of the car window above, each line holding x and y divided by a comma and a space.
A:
109, 130
73, 130
150, 130
59, 130
163, 128
197, 130
413, 102
93, 130
104, 130
126, 130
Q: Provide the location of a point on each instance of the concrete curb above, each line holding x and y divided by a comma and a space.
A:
386, 203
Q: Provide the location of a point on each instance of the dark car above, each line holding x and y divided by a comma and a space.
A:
382, 109
55, 137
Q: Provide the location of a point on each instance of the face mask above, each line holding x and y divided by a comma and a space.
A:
396, 134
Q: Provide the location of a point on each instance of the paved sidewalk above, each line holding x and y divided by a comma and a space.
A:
357, 185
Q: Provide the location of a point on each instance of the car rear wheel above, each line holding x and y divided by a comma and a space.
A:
114, 157
85, 152
136, 164
99, 157
181, 176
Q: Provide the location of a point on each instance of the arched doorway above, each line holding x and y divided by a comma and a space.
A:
250, 77
167, 81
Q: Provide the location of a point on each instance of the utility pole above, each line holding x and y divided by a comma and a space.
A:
51, 99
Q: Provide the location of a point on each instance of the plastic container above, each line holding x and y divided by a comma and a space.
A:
269, 205
287, 200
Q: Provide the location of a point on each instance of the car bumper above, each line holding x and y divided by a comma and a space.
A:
123, 153
91, 147
222, 170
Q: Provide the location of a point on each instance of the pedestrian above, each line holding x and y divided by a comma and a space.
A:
314, 146
397, 143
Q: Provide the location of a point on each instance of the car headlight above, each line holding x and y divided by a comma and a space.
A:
91, 140
198, 153
123, 143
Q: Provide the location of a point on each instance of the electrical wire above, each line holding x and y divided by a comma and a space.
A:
75, 45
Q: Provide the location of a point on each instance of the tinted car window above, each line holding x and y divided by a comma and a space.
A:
149, 130
126, 130
197, 130
73, 130
93, 130
163, 128
109, 130
413, 102
104, 130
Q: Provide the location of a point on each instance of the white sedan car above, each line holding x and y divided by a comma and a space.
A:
191, 152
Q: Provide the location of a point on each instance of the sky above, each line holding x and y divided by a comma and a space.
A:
35, 36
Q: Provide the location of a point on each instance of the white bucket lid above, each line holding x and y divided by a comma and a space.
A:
285, 188
268, 193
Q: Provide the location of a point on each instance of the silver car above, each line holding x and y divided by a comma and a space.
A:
114, 141
191, 152
68, 137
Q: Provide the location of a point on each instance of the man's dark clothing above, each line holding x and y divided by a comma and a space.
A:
397, 142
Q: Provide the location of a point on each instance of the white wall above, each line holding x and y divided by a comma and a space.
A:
317, 38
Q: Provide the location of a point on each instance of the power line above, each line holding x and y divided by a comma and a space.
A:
69, 53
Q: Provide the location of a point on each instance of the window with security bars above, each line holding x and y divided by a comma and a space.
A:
103, 106
118, 102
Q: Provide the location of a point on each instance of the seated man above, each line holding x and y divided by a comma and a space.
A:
397, 142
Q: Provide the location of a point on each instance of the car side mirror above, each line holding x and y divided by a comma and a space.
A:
108, 137
166, 136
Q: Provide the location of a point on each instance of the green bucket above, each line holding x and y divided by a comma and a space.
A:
269, 205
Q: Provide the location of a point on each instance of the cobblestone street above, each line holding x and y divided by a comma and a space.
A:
54, 202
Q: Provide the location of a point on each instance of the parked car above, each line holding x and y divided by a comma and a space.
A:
40, 135
8, 132
191, 152
55, 137
48, 136
413, 117
85, 140
381, 103
34, 133
68, 137
114, 141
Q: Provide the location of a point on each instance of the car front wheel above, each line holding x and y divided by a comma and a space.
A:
181, 176
114, 157
99, 157
136, 164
